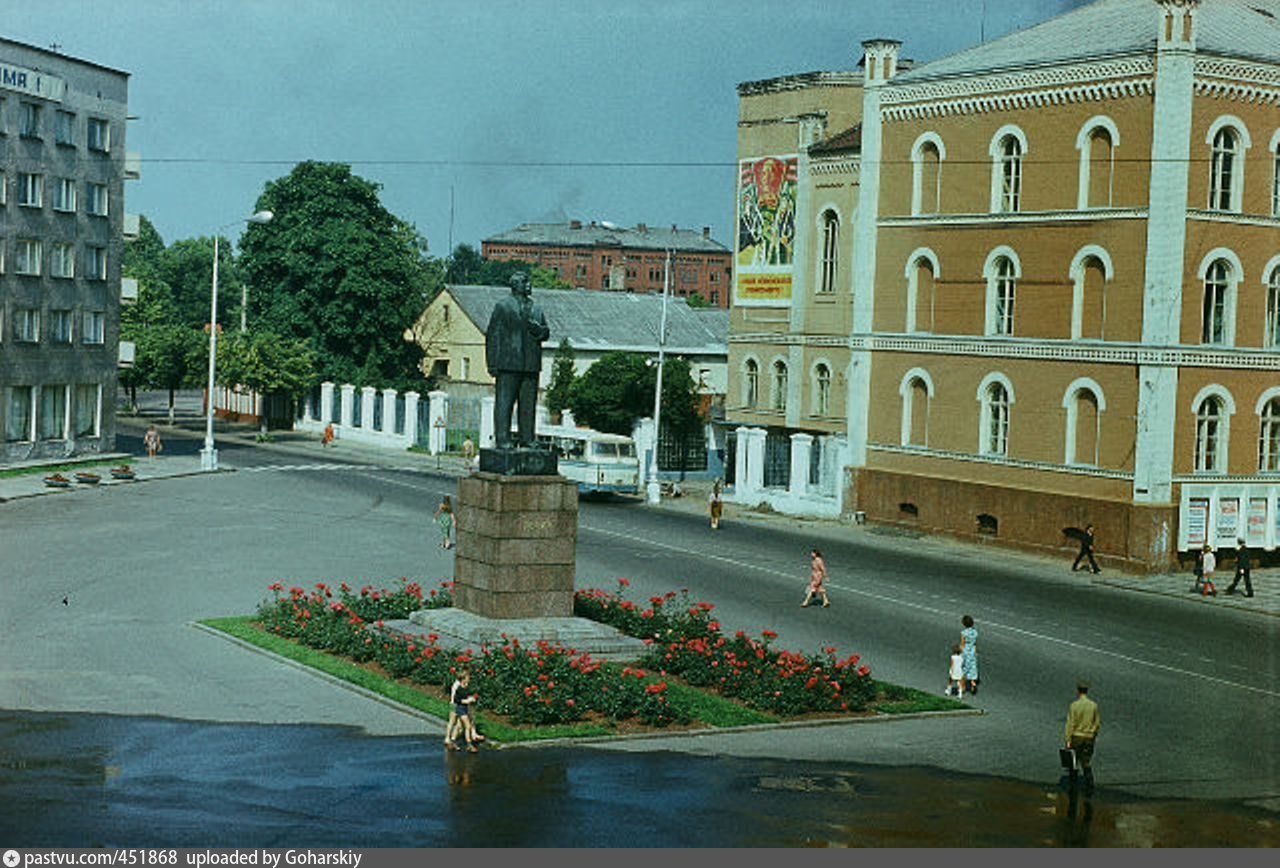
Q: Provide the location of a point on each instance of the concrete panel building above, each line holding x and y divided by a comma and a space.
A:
1064, 303
62, 228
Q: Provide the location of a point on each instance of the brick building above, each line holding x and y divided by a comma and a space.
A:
608, 257
1058, 296
62, 172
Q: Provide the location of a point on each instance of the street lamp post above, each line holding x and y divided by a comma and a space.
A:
653, 491
209, 455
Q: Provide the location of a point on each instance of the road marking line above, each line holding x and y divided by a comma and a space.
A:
936, 611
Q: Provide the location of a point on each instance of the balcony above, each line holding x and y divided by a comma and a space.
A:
132, 166
128, 290
132, 226
126, 356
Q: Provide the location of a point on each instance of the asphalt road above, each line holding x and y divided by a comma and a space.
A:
1188, 695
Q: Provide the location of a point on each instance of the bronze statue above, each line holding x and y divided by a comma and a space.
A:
513, 354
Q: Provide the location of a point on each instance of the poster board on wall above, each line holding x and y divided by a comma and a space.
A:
764, 250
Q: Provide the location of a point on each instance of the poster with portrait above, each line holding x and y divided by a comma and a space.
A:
765, 248
1257, 522
1228, 520
1197, 522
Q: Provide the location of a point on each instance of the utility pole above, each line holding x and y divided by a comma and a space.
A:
654, 489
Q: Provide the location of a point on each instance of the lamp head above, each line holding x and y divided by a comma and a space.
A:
261, 217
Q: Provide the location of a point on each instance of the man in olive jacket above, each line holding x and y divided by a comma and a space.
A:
1081, 732
513, 354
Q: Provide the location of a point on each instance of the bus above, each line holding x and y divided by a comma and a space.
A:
598, 463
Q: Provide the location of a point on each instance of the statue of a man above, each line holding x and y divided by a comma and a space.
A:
513, 354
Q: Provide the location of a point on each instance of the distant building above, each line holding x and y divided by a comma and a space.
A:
62, 172
603, 256
1043, 279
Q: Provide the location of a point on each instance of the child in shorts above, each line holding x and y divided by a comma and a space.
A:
955, 673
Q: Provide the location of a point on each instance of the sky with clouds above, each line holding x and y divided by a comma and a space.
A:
473, 115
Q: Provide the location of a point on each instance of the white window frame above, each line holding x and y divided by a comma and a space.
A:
1212, 433
1002, 288
61, 326
64, 195
917, 172
1225, 307
29, 120
95, 263
29, 256
28, 435
98, 135
1071, 404
1078, 272
821, 385
906, 391
750, 382
61, 404
993, 422
81, 391
4, 187
1084, 144
26, 325
93, 329
1268, 413
1006, 169
1227, 163
1275, 174
30, 190
62, 260
829, 261
912, 274
1271, 329
97, 199
779, 384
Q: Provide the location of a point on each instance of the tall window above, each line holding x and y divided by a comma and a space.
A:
921, 280
29, 121
751, 383
1272, 337
97, 199
1003, 282
1269, 438
1100, 167
821, 390
60, 326
64, 128
1209, 435
1222, 170
1010, 168
53, 413
1084, 433
17, 424
927, 195
26, 325
28, 253
1275, 180
95, 263
94, 327
99, 138
64, 194
86, 411
1214, 314
830, 252
779, 385
915, 411
63, 261
995, 413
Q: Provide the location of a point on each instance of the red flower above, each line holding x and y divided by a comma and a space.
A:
768, 634
626, 583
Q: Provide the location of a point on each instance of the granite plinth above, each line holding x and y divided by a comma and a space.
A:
516, 552
458, 629
518, 461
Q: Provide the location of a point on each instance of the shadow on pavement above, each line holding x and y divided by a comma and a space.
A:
86, 780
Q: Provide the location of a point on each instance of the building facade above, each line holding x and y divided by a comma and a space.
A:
1065, 298
62, 171
604, 256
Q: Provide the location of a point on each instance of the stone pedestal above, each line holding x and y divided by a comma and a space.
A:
515, 555
519, 461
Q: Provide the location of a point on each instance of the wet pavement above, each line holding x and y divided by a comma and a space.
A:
87, 780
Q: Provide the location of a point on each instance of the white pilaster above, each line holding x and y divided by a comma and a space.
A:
801, 449
411, 417
389, 411
326, 403
439, 416
347, 410
367, 396
755, 459
741, 482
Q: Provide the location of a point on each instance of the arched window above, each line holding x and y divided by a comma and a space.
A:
1097, 142
995, 397
1006, 179
1210, 436
1272, 336
780, 385
922, 276
830, 252
1082, 427
1269, 437
1090, 271
1002, 278
1224, 159
1275, 175
916, 389
1213, 329
750, 383
926, 186
821, 390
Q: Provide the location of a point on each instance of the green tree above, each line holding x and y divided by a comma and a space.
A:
267, 364
695, 299
168, 356
613, 393
466, 267
562, 377
334, 268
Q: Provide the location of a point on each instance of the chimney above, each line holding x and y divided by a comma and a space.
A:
640, 227
706, 231
880, 60
575, 224
674, 228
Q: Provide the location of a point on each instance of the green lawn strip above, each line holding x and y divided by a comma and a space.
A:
908, 700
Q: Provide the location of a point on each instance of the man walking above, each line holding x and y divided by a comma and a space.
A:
1242, 570
1086, 550
1081, 732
